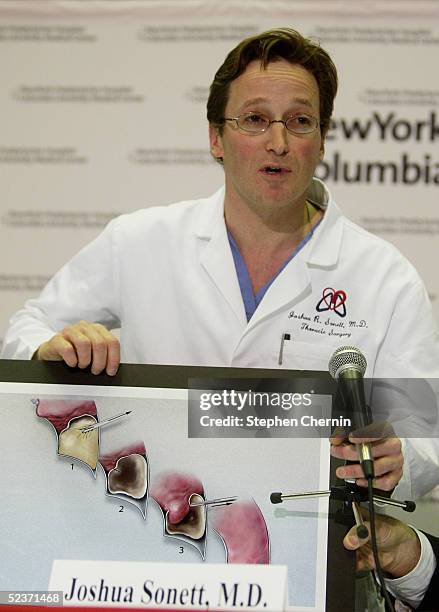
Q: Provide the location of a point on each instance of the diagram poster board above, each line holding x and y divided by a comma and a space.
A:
100, 468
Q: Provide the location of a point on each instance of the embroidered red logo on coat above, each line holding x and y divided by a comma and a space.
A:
333, 300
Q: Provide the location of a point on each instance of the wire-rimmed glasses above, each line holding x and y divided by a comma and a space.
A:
256, 123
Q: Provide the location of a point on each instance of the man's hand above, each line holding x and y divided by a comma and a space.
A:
386, 452
399, 548
83, 344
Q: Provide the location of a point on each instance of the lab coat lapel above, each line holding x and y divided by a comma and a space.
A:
291, 286
294, 282
216, 255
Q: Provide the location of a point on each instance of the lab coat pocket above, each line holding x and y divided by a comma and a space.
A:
299, 355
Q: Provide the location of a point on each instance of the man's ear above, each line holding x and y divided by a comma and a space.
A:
216, 142
322, 149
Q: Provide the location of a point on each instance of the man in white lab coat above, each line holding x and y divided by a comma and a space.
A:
264, 273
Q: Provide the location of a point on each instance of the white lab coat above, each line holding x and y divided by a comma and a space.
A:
166, 276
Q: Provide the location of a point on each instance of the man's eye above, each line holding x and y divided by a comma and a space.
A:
254, 118
302, 120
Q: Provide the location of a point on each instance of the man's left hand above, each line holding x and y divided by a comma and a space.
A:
398, 545
386, 452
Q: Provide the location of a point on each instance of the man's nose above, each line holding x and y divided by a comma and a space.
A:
277, 138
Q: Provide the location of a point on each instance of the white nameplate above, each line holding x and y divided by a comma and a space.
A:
171, 585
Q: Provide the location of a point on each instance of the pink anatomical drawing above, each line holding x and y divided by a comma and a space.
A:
75, 424
127, 475
243, 530
180, 496
175, 493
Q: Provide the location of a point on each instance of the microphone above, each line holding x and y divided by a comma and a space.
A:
348, 365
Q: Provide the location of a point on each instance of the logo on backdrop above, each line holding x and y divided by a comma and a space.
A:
333, 300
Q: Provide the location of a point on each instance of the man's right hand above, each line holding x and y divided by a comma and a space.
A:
83, 344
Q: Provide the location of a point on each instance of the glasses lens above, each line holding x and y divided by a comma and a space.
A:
253, 122
301, 124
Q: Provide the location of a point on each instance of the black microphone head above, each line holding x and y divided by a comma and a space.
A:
347, 357
276, 498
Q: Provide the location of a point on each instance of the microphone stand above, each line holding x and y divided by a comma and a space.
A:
352, 495
349, 493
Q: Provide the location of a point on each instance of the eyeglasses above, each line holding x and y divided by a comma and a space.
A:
255, 123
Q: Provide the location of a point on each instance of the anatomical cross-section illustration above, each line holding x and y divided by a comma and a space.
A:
70, 418
239, 523
181, 499
243, 531
174, 493
126, 472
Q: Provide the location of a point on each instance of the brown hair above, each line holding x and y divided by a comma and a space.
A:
282, 43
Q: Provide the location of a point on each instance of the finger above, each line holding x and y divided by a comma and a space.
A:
57, 349
388, 447
113, 351
350, 471
362, 482
80, 342
66, 351
354, 439
348, 451
387, 464
370, 433
336, 441
387, 482
47, 351
338, 436
384, 483
98, 346
351, 540
365, 560
388, 472
345, 451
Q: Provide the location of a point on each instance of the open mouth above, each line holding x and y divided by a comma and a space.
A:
274, 170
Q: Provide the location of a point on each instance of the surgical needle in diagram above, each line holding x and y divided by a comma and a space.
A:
103, 423
222, 501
